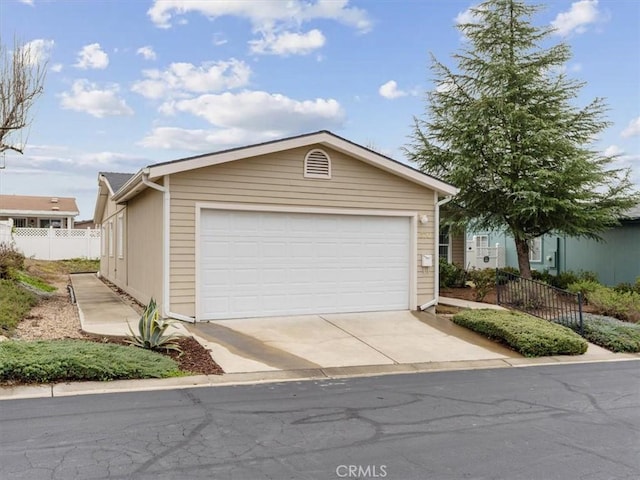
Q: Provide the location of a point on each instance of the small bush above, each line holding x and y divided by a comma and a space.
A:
451, 275
587, 276
609, 332
584, 286
564, 279
69, 360
151, 331
10, 260
628, 287
531, 336
483, 280
15, 303
621, 305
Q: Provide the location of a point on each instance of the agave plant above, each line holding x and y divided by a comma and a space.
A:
152, 330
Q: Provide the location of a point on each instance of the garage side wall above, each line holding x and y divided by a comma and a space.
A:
277, 179
144, 246
112, 265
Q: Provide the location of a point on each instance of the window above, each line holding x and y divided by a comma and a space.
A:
111, 238
444, 248
535, 250
19, 222
482, 245
317, 164
120, 233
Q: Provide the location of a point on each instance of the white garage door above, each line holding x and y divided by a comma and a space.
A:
255, 264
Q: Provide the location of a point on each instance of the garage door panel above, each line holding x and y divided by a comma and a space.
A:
267, 263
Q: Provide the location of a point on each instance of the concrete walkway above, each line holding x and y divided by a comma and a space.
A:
102, 311
457, 302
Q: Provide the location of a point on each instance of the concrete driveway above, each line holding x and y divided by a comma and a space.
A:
341, 340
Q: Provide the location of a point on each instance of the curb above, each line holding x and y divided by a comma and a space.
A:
255, 378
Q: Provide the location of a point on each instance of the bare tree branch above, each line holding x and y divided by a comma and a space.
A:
22, 77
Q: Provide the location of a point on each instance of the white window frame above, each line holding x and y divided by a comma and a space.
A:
448, 244
111, 238
535, 250
120, 236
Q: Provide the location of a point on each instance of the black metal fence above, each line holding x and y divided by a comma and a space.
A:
539, 299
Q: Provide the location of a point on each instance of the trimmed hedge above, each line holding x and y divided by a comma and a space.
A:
610, 333
530, 336
69, 360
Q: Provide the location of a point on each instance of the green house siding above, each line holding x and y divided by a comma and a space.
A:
615, 259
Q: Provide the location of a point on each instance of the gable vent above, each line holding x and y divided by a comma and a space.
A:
317, 164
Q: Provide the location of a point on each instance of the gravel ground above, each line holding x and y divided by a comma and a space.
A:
54, 317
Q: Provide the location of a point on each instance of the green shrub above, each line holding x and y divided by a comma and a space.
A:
564, 279
15, 304
531, 336
588, 276
543, 276
609, 332
451, 275
69, 360
10, 260
628, 287
621, 305
584, 286
483, 280
151, 331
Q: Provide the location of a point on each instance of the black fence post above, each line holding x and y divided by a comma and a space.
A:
580, 313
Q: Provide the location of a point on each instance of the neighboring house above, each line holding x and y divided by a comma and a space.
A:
38, 212
83, 224
615, 259
304, 225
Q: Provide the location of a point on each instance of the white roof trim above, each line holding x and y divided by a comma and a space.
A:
38, 213
320, 138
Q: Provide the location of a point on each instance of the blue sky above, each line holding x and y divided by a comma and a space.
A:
132, 83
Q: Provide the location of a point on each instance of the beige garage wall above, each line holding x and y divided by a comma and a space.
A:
277, 179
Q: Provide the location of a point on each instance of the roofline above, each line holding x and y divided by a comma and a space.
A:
323, 137
48, 213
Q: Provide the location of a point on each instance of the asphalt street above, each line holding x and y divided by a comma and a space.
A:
554, 422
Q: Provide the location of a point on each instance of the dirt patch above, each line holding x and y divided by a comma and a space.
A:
468, 293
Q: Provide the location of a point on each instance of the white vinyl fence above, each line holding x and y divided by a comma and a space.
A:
56, 243
479, 256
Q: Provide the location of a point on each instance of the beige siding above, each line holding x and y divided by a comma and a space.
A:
277, 179
144, 246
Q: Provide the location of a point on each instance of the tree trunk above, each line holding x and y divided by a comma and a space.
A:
522, 248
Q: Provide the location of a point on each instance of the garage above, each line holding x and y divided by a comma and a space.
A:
270, 263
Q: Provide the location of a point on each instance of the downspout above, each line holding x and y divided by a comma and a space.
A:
436, 286
166, 259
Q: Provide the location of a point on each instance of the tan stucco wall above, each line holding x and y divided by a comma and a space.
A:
112, 268
277, 179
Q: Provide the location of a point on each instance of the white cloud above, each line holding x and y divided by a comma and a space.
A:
147, 52
390, 90
632, 129
612, 150
56, 67
27, 2
257, 110
264, 14
219, 39
92, 56
466, 17
199, 140
38, 50
288, 43
180, 78
581, 14
87, 97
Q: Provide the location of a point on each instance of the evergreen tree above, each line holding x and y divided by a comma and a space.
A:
506, 130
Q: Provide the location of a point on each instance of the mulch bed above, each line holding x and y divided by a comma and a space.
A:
194, 358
